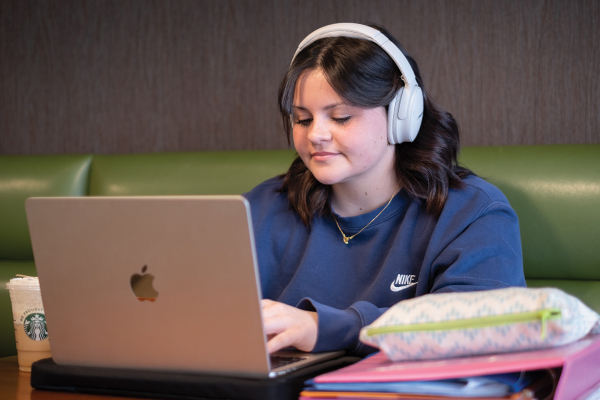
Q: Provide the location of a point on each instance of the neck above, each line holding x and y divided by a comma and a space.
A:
349, 200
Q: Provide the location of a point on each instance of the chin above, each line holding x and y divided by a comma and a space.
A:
330, 173
326, 179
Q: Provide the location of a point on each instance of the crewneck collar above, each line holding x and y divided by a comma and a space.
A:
357, 222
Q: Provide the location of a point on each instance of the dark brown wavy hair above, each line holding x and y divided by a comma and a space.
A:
364, 75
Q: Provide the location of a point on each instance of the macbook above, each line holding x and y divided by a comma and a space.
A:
159, 283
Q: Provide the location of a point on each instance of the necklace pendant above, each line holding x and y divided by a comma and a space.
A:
346, 238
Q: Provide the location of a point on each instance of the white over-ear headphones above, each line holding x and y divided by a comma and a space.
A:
405, 112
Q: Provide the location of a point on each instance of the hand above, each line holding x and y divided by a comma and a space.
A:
289, 326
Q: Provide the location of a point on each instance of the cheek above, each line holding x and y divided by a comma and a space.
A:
296, 139
378, 122
371, 150
300, 143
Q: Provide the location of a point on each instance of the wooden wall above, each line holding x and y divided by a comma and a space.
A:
131, 76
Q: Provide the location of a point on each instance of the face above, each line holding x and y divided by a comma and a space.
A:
340, 143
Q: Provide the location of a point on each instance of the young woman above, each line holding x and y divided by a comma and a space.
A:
375, 208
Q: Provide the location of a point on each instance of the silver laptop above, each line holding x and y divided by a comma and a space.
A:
159, 283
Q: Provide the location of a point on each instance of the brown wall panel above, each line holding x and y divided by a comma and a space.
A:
131, 76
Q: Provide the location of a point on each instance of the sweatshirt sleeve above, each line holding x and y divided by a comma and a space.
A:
339, 329
485, 255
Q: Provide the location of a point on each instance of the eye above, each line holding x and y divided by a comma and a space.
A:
303, 122
342, 120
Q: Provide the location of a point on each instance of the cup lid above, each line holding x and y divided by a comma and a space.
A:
25, 282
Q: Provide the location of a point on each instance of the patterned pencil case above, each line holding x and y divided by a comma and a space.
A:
470, 323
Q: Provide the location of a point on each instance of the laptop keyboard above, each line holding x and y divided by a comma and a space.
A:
280, 361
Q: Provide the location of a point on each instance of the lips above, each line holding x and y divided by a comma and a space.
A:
321, 155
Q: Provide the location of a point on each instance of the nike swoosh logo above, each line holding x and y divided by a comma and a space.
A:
399, 288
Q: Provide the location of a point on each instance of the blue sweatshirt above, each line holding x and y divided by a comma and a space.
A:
474, 244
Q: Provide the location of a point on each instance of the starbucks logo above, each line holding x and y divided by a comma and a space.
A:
35, 327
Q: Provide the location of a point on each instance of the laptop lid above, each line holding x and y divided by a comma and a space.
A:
194, 255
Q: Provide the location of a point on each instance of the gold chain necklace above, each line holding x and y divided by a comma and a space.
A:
347, 238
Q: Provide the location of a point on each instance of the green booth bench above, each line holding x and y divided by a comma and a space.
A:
555, 190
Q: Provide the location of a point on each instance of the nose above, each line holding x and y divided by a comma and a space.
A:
318, 131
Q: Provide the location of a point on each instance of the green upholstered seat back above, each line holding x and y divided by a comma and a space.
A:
555, 190
232, 172
26, 176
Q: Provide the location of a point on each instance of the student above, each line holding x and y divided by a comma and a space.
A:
375, 209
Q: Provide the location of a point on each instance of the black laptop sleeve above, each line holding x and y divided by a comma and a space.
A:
46, 375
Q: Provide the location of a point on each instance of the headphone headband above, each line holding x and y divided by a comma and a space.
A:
359, 31
405, 112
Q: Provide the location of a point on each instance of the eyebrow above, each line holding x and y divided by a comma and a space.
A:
328, 107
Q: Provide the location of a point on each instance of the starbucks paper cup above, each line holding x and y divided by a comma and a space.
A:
29, 319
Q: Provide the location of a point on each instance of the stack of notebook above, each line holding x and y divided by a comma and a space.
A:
564, 373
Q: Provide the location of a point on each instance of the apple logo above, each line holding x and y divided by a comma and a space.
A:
141, 285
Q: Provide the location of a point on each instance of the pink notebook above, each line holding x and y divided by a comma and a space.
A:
580, 362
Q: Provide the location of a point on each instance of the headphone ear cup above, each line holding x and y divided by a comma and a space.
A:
406, 129
393, 125
415, 113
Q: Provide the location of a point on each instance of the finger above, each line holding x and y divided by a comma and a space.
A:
272, 308
276, 324
281, 341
